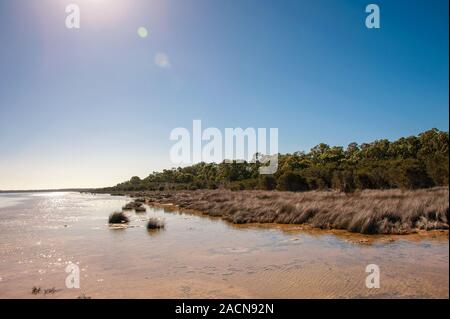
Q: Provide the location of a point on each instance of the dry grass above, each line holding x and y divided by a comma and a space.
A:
369, 212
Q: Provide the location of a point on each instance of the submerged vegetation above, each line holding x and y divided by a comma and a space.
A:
132, 205
140, 209
411, 163
368, 212
137, 206
155, 223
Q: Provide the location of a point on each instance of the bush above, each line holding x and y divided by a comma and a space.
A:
267, 182
154, 223
118, 218
343, 181
413, 175
292, 182
140, 209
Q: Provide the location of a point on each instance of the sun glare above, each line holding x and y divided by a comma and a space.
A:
103, 11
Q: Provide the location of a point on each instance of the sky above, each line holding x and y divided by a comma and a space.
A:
93, 106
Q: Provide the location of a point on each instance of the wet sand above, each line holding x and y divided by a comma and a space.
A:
201, 257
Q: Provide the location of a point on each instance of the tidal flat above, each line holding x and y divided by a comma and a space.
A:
201, 256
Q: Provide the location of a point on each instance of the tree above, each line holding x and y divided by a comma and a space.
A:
292, 182
409, 162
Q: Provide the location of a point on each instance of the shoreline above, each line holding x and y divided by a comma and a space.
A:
241, 260
369, 212
350, 237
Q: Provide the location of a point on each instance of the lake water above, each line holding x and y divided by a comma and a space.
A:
200, 257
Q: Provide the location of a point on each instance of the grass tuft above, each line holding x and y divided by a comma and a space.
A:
154, 223
118, 218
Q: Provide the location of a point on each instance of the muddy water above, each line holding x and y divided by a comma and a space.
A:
196, 257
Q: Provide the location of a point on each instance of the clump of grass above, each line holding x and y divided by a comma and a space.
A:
50, 291
118, 218
36, 290
132, 205
140, 209
155, 223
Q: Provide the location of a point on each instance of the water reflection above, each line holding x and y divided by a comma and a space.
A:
155, 232
196, 256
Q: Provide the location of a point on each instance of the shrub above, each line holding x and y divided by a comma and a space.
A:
267, 182
140, 209
292, 182
155, 223
118, 218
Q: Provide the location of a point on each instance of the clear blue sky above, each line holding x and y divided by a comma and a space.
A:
89, 107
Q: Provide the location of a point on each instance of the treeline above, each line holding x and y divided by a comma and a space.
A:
412, 162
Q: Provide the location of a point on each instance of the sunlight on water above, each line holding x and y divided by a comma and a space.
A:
193, 256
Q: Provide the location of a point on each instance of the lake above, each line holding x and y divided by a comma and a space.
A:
201, 257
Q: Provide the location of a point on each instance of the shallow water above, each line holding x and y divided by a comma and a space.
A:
200, 257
